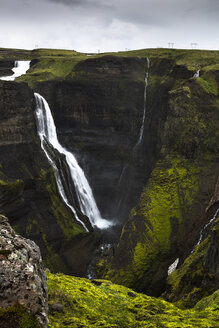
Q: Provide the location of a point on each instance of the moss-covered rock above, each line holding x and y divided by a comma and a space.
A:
100, 303
172, 209
198, 275
17, 316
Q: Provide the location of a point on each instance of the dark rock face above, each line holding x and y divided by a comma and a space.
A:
22, 278
198, 276
98, 114
28, 191
98, 110
167, 220
6, 67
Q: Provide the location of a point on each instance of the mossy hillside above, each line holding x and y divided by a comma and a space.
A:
183, 176
70, 227
15, 54
53, 64
103, 304
194, 279
17, 316
164, 203
51, 67
209, 79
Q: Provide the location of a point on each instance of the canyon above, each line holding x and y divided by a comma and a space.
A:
143, 126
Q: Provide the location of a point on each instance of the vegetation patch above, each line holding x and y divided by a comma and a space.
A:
17, 316
103, 304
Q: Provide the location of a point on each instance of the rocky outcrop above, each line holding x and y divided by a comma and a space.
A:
22, 277
6, 67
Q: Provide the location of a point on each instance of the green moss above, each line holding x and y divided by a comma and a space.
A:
190, 282
11, 189
52, 67
64, 217
210, 303
103, 304
171, 189
169, 194
210, 86
17, 316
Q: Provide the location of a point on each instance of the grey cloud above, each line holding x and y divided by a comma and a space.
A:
71, 2
88, 25
84, 3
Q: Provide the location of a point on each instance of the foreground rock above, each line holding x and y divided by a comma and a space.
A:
22, 279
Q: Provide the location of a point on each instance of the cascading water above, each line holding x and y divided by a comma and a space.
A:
197, 73
85, 198
205, 227
145, 102
173, 266
123, 175
20, 68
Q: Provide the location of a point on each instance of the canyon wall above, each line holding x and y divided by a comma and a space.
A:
158, 192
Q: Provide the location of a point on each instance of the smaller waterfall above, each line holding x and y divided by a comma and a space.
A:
205, 227
20, 68
85, 198
197, 73
144, 109
173, 266
123, 176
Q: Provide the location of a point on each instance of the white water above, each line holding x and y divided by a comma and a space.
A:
47, 130
145, 98
173, 266
205, 227
20, 68
197, 73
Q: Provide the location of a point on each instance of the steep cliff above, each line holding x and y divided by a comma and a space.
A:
28, 192
158, 189
174, 205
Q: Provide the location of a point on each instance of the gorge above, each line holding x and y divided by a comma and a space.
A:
142, 128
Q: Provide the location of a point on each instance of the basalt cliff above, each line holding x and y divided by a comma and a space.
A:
149, 151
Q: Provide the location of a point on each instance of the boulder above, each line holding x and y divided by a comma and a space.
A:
22, 277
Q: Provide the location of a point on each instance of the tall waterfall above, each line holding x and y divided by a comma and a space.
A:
145, 102
85, 198
20, 68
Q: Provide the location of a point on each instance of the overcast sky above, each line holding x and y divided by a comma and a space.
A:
109, 25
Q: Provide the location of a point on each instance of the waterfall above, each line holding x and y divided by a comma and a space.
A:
197, 73
205, 227
20, 68
144, 108
173, 266
85, 198
123, 176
